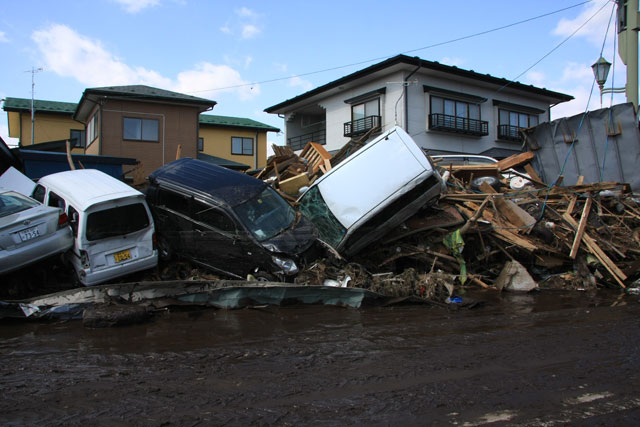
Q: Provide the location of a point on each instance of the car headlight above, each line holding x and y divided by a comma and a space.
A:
287, 265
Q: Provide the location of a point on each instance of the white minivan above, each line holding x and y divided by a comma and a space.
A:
111, 222
370, 192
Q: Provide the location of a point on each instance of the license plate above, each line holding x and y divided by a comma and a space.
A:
122, 256
29, 233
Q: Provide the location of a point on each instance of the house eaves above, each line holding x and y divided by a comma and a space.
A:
235, 122
93, 96
401, 61
23, 105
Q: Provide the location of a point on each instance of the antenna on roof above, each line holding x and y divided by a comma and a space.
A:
33, 72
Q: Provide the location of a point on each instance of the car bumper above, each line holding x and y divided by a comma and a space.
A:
11, 260
90, 278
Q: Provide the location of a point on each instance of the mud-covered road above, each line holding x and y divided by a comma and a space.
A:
547, 359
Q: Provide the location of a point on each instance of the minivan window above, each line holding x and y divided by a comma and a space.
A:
212, 217
39, 192
116, 221
313, 206
266, 215
56, 201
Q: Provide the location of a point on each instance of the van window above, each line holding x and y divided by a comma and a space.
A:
39, 192
212, 217
116, 221
173, 201
56, 201
313, 206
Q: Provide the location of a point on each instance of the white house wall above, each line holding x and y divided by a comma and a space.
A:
338, 112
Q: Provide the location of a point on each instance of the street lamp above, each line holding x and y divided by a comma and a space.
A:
601, 72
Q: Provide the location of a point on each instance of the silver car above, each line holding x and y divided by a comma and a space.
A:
29, 231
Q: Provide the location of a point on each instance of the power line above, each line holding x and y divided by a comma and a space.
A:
402, 53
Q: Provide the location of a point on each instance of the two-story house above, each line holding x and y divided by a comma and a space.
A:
446, 109
142, 123
238, 139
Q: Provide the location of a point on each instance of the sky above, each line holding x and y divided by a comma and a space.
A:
248, 56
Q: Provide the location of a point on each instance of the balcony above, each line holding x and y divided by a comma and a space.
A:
360, 126
298, 142
455, 124
509, 133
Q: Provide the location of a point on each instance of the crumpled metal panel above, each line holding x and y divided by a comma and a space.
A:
606, 147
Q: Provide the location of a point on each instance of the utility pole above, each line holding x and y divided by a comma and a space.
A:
628, 27
33, 87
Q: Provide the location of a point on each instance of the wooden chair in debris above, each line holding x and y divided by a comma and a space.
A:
317, 156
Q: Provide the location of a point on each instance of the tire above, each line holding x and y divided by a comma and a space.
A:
164, 250
263, 276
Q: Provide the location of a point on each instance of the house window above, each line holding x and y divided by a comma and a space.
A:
79, 137
200, 144
242, 146
510, 123
92, 128
140, 129
456, 116
364, 116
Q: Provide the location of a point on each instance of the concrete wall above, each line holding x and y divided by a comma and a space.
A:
217, 142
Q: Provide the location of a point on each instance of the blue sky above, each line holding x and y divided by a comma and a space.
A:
250, 55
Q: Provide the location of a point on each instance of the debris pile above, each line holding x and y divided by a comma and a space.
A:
499, 226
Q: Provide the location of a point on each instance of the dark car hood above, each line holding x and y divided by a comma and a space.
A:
295, 239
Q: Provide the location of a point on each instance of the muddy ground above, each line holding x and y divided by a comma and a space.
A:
551, 358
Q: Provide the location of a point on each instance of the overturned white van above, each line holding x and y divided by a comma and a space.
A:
113, 228
370, 192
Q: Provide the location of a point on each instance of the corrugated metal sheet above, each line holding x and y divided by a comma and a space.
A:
601, 145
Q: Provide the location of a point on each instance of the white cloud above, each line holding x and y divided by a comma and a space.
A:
594, 30
247, 61
70, 54
452, 61
246, 24
250, 31
535, 78
3, 37
246, 12
296, 81
135, 6
222, 78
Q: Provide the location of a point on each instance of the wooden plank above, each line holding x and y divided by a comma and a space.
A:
581, 227
574, 198
515, 214
608, 264
533, 174
515, 160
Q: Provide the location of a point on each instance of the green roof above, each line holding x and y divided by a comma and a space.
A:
24, 105
237, 122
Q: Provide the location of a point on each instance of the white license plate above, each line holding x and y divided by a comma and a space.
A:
29, 233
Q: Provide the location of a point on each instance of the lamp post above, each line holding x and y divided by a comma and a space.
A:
601, 72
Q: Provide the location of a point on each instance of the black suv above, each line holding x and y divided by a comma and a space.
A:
227, 221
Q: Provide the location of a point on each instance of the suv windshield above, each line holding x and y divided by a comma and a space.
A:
265, 215
313, 206
11, 202
117, 221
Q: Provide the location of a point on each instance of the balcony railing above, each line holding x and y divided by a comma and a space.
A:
509, 133
456, 124
360, 126
298, 142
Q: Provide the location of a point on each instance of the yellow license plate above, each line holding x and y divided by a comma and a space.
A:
122, 256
